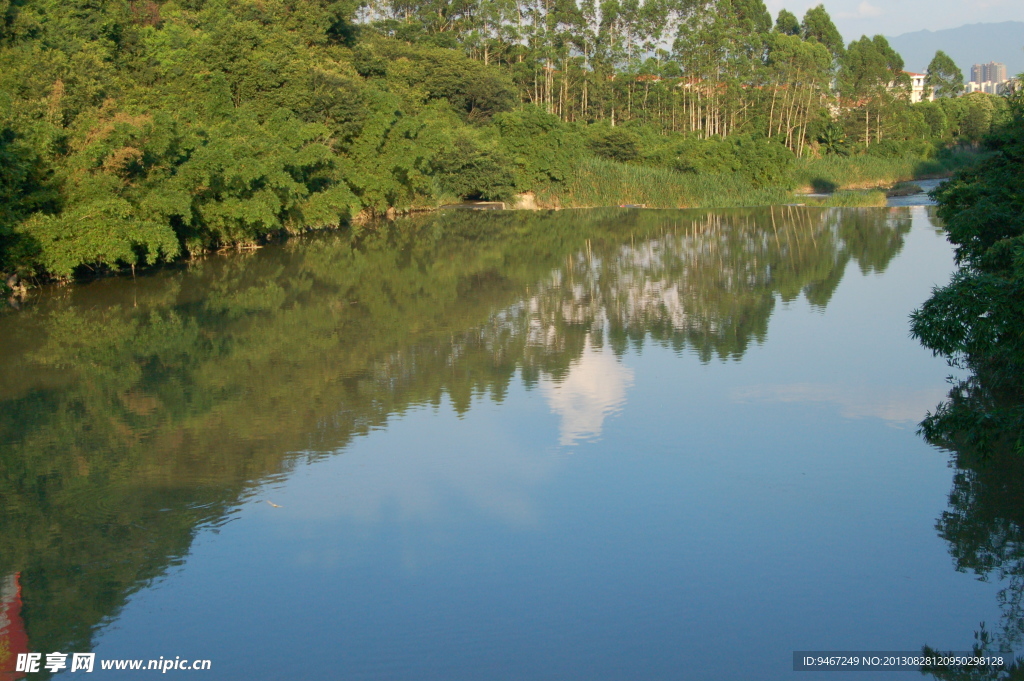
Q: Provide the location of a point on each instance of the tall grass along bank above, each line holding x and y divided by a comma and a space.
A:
600, 182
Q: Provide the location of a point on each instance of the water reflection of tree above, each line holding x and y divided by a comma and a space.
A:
979, 424
134, 415
710, 283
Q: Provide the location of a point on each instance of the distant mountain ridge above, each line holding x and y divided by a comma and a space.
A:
972, 44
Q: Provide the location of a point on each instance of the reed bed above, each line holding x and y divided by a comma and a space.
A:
873, 198
830, 173
599, 182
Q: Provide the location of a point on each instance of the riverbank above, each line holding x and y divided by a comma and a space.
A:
832, 173
857, 181
832, 181
188, 150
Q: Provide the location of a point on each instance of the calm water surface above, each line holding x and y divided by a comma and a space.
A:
579, 445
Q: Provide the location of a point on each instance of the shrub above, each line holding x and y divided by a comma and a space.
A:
541, 148
471, 171
615, 144
763, 161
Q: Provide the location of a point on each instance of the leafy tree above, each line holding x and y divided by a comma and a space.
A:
977, 318
787, 23
543, 149
944, 76
753, 14
24, 189
470, 87
980, 113
817, 25
936, 119
615, 144
799, 73
871, 78
975, 321
471, 171
832, 139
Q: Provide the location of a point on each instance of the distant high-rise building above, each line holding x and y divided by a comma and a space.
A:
992, 72
990, 78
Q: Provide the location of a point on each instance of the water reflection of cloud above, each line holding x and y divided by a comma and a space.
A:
594, 388
422, 468
895, 405
419, 479
424, 476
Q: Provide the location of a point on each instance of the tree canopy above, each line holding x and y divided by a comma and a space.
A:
787, 23
944, 76
817, 25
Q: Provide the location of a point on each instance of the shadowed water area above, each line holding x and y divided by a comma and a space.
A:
584, 444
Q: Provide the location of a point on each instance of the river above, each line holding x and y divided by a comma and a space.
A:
615, 444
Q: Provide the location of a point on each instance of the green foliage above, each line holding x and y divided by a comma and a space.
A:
944, 76
100, 229
891, 148
543, 149
470, 170
833, 140
869, 67
976, 322
977, 319
600, 182
137, 132
983, 207
787, 23
473, 89
981, 112
24, 190
764, 162
204, 125
971, 117
753, 15
615, 144
935, 118
817, 26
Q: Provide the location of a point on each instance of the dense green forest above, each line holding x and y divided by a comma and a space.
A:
138, 131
